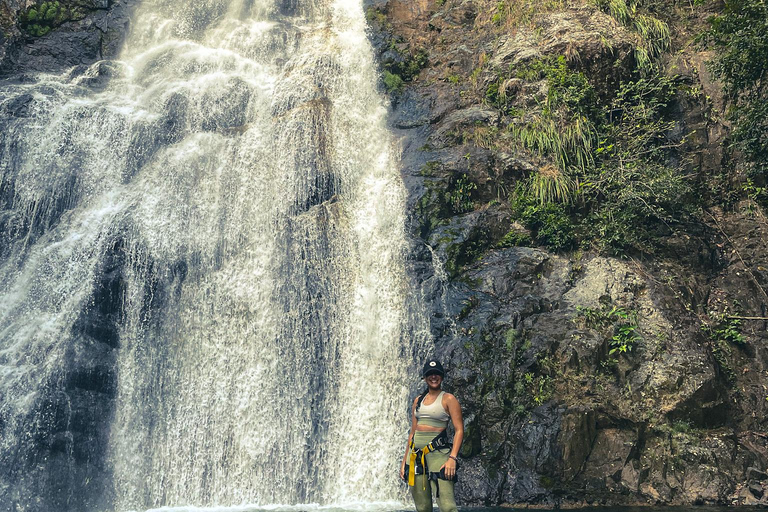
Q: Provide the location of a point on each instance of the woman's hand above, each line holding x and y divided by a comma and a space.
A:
450, 469
402, 471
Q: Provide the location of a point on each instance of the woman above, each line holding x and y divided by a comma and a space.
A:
429, 456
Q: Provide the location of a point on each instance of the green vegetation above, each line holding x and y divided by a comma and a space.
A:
392, 82
605, 178
500, 14
724, 331
430, 168
758, 195
469, 305
740, 36
550, 223
398, 71
594, 318
539, 387
623, 324
510, 339
624, 338
514, 239
653, 33
461, 195
461, 254
40, 19
725, 328
527, 385
374, 15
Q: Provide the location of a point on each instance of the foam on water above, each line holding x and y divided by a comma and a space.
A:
359, 506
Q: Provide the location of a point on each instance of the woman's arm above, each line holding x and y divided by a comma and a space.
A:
454, 410
410, 437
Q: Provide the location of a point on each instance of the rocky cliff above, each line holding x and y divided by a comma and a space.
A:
602, 356
592, 253
47, 36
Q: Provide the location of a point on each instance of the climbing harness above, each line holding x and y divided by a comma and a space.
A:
418, 462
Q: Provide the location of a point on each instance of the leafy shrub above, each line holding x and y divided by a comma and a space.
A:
624, 338
514, 239
725, 328
724, 331
740, 36
405, 69
610, 165
633, 189
566, 87
392, 82
623, 322
563, 131
550, 223
461, 195
40, 19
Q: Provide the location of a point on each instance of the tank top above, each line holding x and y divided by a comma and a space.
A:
433, 415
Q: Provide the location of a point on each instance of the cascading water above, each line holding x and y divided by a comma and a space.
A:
235, 167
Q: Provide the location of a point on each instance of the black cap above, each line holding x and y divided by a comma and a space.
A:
432, 366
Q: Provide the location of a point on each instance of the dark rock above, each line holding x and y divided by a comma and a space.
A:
229, 106
98, 75
608, 458
76, 72
414, 109
62, 48
577, 436
516, 272
18, 106
537, 444
756, 474
98, 35
478, 484
707, 407
525, 486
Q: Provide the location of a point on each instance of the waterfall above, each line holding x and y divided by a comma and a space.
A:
229, 185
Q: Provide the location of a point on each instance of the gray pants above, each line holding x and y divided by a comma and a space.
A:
423, 497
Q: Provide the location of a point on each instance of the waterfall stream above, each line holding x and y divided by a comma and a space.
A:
234, 169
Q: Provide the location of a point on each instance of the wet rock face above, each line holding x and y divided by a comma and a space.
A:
64, 464
94, 31
555, 412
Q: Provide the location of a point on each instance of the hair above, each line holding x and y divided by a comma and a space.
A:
421, 398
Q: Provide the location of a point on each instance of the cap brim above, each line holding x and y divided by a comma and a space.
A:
434, 372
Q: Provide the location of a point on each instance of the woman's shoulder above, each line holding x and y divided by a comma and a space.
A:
449, 396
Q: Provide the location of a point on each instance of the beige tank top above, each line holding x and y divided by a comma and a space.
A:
433, 415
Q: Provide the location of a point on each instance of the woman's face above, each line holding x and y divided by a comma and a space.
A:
434, 380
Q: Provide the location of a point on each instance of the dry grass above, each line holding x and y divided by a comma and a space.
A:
550, 185
510, 14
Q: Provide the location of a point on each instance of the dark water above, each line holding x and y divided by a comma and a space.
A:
403, 507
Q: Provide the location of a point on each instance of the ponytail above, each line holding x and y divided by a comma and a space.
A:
421, 398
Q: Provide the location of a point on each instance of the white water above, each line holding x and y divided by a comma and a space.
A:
363, 506
239, 160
